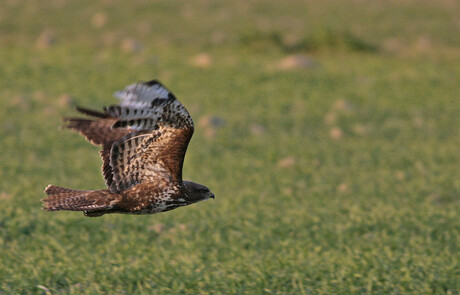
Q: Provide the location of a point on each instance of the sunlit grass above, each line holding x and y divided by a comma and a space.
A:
338, 176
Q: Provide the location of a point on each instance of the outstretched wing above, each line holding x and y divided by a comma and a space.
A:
97, 130
144, 138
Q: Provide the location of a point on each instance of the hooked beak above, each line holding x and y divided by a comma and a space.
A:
212, 196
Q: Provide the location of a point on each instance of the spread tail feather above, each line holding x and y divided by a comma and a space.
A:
94, 203
54, 189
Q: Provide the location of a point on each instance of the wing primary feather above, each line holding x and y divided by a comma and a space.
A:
153, 82
92, 113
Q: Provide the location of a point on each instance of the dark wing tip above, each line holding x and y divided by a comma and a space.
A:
92, 113
171, 96
153, 82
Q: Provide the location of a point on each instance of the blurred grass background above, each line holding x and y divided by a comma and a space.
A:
328, 131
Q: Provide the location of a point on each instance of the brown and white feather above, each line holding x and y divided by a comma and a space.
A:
144, 140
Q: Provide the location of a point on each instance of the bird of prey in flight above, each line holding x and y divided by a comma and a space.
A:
143, 143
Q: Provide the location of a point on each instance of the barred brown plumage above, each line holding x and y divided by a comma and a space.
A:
143, 140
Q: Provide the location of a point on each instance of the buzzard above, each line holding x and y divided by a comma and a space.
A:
143, 140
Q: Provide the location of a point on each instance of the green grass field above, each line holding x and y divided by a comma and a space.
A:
328, 130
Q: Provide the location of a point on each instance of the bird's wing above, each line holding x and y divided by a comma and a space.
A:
155, 156
98, 129
144, 138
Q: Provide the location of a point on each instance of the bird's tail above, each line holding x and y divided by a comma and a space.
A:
93, 203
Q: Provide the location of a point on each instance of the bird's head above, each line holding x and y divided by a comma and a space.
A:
196, 192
